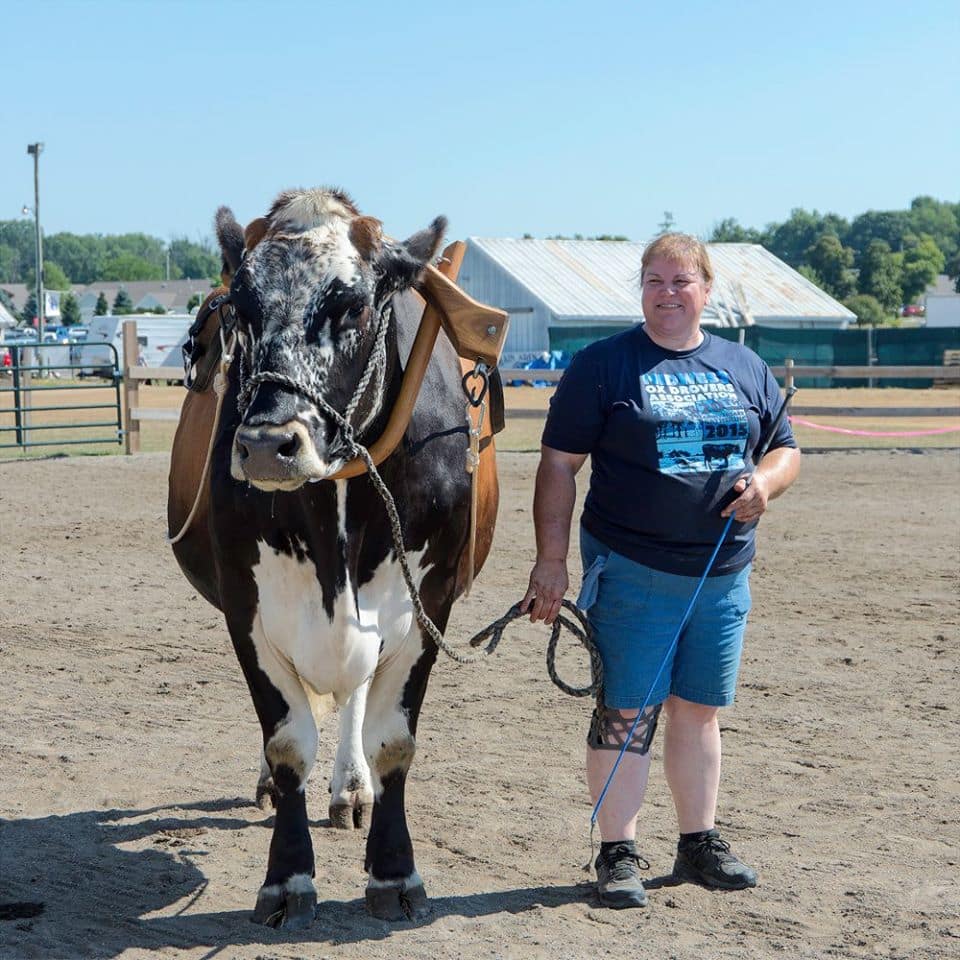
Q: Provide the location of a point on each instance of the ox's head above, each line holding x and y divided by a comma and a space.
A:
310, 284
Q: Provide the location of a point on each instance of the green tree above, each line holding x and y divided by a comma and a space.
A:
80, 256
19, 236
193, 260
138, 245
952, 269
730, 231
923, 260
122, 304
101, 308
9, 264
833, 263
29, 312
805, 270
880, 275
129, 266
888, 225
194, 302
53, 277
791, 239
69, 311
868, 309
938, 220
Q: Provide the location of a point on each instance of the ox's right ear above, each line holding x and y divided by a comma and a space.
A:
230, 237
400, 264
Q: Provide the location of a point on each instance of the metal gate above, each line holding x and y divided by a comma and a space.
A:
47, 396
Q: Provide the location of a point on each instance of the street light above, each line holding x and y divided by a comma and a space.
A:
35, 149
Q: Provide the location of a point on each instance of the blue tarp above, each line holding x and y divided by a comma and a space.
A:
548, 360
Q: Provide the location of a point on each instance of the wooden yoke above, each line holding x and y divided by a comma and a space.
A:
476, 330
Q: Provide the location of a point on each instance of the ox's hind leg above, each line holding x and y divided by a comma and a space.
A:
351, 792
394, 889
288, 897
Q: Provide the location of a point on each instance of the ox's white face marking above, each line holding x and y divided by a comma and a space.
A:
307, 208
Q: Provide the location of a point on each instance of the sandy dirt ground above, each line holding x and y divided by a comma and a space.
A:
129, 748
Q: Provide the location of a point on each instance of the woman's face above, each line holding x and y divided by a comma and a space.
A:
674, 295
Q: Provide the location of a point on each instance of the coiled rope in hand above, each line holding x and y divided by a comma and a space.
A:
581, 630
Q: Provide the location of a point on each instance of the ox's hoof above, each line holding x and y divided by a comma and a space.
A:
291, 905
405, 900
266, 795
350, 816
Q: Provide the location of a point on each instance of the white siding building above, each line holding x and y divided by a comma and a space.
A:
554, 284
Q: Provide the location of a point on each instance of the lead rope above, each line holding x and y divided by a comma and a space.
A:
220, 389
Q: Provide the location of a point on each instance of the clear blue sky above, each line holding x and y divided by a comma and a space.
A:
540, 117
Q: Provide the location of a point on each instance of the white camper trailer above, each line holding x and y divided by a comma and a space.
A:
159, 337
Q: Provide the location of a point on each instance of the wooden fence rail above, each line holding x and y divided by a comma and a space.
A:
134, 414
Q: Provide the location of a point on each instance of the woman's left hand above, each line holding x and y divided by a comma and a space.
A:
751, 503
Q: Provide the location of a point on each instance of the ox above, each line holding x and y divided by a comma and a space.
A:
303, 566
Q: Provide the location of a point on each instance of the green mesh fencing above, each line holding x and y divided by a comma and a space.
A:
892, 346
572, 339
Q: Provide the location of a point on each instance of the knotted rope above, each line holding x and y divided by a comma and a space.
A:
583, 633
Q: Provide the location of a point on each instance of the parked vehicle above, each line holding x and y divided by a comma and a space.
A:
74, 334
19, 335
159, 338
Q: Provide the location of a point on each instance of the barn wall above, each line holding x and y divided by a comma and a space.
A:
488, 282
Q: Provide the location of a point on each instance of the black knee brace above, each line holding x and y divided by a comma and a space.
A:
608, 730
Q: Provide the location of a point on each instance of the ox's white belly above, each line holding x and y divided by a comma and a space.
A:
294, 632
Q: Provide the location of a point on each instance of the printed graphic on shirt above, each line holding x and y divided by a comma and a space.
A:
701, 423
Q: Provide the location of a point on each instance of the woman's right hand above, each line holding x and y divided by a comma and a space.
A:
548, 586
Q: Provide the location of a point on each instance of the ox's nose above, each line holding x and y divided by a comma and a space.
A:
268, 452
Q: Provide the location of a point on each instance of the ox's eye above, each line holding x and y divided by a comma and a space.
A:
359, 315
355, 317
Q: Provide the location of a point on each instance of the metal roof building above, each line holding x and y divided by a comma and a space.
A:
545, 284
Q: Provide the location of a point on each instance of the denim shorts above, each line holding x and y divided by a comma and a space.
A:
635, 612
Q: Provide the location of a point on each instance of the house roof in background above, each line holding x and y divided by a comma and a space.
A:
173, 294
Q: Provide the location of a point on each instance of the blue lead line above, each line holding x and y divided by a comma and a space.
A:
653, 686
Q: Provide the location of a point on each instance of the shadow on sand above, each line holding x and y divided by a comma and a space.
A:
45, 861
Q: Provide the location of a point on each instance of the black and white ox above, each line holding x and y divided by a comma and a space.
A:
304, 567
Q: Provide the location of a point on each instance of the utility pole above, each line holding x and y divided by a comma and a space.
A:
35, 149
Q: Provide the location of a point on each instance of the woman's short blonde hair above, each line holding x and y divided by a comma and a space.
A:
679, 247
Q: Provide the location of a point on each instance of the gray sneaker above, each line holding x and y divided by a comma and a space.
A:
709, 862
618, 877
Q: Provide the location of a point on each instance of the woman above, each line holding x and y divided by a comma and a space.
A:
670, 417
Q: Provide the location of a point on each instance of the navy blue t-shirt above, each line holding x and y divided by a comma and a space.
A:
669, 433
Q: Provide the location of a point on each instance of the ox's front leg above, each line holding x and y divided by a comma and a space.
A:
288, 897
351, 792
394, 889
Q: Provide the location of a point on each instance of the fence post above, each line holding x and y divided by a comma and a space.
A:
788, 374
131, 387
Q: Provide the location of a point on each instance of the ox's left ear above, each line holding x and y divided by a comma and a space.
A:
400, 264
230, 237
